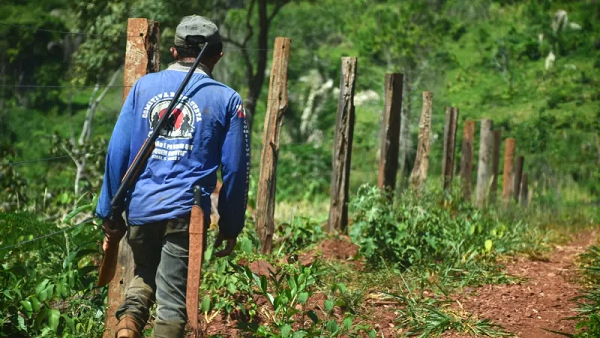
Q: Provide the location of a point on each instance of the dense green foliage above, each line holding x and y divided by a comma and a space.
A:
511, 61
445, 249
486, 57
48, 286
589, 302
415, 230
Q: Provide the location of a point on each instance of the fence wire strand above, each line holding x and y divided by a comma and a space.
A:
101, 86
100, 35
54, 158
85, 221
66, 32
47, 159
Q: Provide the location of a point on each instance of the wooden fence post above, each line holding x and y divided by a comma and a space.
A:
466, 163
507, 174
517, 177
495, 165
342, 149
449, 146
486, 145
524, 190
276, 107
390, 132
142, 57
419, 173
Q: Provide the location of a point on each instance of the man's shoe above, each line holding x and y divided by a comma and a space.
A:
128, 328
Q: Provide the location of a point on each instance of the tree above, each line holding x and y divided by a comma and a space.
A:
104, 24
108, 18
255, 68
399, 37
31, 54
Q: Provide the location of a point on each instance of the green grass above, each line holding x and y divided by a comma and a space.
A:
588, 302
417, 251
552, 113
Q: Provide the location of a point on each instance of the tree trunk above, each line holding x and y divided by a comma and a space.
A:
524, 190
450, 129
517, 177
255, 82
405, 140
497, 135
486, 145
419, 173
3, 77
507, 174
276, 107
466, 164
86, 130
142, 57
342, 151
390, 132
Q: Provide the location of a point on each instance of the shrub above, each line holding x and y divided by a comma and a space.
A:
588, 304
48, 286
414, 230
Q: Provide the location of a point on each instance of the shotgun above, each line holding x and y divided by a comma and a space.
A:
108, 266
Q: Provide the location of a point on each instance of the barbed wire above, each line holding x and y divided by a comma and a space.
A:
64, 32
57, 86
120, 35
48, 159
94, 86
111, 86
44, 159
85, 221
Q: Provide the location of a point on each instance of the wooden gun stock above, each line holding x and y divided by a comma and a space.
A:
108, 267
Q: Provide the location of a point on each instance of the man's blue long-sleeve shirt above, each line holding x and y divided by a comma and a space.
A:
207, 129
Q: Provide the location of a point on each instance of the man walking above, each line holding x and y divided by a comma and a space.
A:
206, 129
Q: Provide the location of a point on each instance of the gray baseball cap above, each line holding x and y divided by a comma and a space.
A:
196, 25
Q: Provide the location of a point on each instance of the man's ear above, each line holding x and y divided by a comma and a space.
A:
216, 58
174, 53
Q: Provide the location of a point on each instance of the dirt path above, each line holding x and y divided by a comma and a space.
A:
539, 303
527, 309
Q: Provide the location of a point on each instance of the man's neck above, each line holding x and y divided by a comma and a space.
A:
184, 65
191, 60
187, 60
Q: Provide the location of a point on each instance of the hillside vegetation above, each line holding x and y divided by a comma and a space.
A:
532, 66
487, 58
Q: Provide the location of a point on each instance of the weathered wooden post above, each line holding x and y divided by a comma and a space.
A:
342, 148
495, 165
486, 144
517, 177
142, 57
524, 190
419, 173
466, 163
276, 107
507, 175
449, 146
390, 132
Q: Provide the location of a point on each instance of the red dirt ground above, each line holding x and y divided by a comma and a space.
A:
540, 303
338, 249
331, 249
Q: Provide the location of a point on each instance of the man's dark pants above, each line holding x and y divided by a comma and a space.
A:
160, 253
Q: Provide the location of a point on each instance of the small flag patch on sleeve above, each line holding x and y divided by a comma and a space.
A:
241, 112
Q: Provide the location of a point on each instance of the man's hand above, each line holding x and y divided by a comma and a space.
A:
113, 232
231, 242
